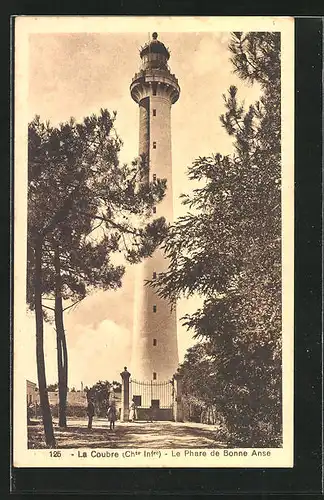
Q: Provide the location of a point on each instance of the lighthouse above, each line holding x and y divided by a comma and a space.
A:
154, 88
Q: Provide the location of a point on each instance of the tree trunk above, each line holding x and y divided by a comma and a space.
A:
65, 364
60, 341
43, 395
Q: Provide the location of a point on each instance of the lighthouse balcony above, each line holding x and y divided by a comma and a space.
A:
148, 78
155, 75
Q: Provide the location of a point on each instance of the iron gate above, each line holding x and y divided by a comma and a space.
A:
153, 400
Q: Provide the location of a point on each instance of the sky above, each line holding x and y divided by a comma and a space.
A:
76, 74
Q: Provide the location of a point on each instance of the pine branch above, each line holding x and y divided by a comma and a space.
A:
96, 227
47, 307
122, 228
72, 305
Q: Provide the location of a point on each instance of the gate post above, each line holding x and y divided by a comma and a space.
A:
125, 395
178, 407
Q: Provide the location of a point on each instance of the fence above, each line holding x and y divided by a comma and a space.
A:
154, 400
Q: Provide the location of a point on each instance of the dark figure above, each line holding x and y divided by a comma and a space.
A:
90, 413
112, 416
151, 415
133, 412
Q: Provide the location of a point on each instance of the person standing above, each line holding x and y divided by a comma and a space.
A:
112, 416
133, 412
90, 413
153, 413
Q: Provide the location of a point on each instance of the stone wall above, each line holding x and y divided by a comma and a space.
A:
78, 398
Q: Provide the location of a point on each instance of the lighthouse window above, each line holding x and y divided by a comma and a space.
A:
154, 210
154, 308
154, 342
154, 112
154, 145
154, 376
154, 275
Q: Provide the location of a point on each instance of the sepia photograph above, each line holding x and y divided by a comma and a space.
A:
154, 177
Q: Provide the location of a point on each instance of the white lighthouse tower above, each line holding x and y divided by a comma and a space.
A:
155, 89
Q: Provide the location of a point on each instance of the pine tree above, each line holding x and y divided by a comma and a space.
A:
199, 386
227, 249
100, 394
83, 206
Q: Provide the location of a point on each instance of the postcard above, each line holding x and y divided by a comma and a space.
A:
153, 241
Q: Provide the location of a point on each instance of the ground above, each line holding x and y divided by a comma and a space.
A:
128, 435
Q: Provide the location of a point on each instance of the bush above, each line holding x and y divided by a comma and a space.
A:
71, 411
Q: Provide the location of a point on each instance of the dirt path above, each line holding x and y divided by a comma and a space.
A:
128, 435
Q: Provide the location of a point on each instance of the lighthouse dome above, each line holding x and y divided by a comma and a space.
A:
154, 54
154, 46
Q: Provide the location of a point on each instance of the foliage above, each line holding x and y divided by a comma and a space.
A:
52, 387
227, 249
201, 391
202, 385
101, 393
83, 201
83, 207
71, 411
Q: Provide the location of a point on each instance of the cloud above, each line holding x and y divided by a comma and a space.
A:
99, 354
114, 305
99, 338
